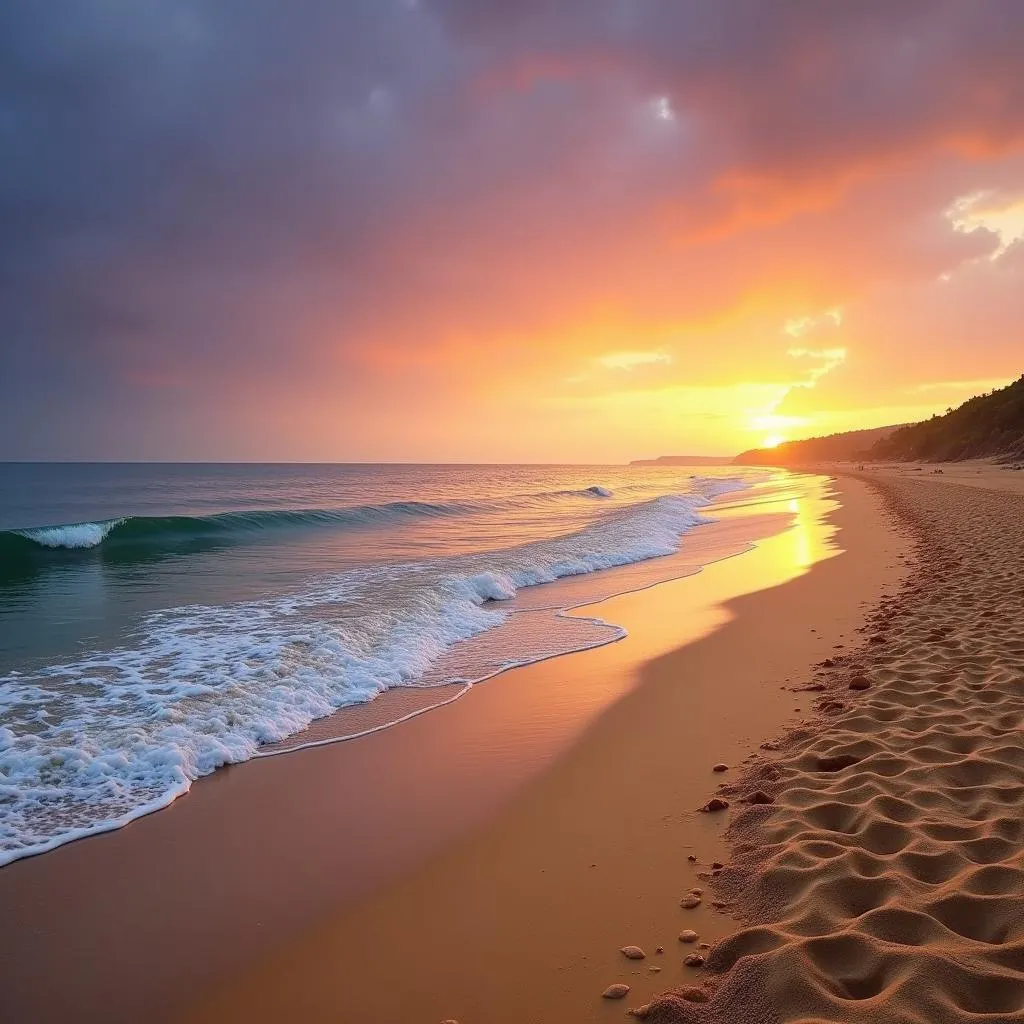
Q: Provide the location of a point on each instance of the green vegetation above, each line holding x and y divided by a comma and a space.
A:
991, 424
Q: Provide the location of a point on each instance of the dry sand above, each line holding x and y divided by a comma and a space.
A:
523, 919
988, 474
885, 882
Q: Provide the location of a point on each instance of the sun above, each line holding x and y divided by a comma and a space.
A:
773, 441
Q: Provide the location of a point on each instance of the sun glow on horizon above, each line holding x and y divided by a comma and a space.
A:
773, 441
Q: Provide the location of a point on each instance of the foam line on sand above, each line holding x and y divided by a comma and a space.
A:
883, 878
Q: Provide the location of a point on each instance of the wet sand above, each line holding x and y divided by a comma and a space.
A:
458, 883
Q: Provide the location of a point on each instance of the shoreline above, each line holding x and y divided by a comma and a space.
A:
714, 540
221, 816
719, 540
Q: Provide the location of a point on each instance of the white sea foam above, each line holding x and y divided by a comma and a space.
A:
78, 535
88, 745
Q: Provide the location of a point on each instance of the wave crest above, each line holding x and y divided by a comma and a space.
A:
163, 529
75, 536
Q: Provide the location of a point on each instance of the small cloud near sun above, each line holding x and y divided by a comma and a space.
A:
631, 360
827, 359
1003, 216
797, 327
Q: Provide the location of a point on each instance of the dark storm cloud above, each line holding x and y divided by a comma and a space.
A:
151, 146
185, 187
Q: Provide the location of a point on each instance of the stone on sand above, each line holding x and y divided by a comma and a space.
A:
694, 960
688, 935
716, 803
860, 683
616, 991
633, 952
689, 901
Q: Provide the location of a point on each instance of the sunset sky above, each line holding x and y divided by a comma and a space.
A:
472, 230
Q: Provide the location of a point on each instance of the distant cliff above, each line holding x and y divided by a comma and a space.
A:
685, 460
834, 448
991, 424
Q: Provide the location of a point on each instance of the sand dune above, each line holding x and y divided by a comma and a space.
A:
886, 880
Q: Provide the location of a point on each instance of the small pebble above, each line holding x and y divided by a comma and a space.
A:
654, 970
717, 864
616, 991
860, 683
632, 952
660, 949
720, 767
692, 858
716, 803
694, 960
689, 902
688, 935
697, 892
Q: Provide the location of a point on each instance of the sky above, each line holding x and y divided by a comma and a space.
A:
501, 230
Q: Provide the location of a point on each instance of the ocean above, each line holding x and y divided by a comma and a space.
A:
158, 621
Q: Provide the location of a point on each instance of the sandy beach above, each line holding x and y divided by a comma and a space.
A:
866, 705
867, 867
258, 860
524, 918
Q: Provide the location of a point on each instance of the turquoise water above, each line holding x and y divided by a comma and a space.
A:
157, 621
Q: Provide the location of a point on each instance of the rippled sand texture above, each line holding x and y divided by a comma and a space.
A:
887, 878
